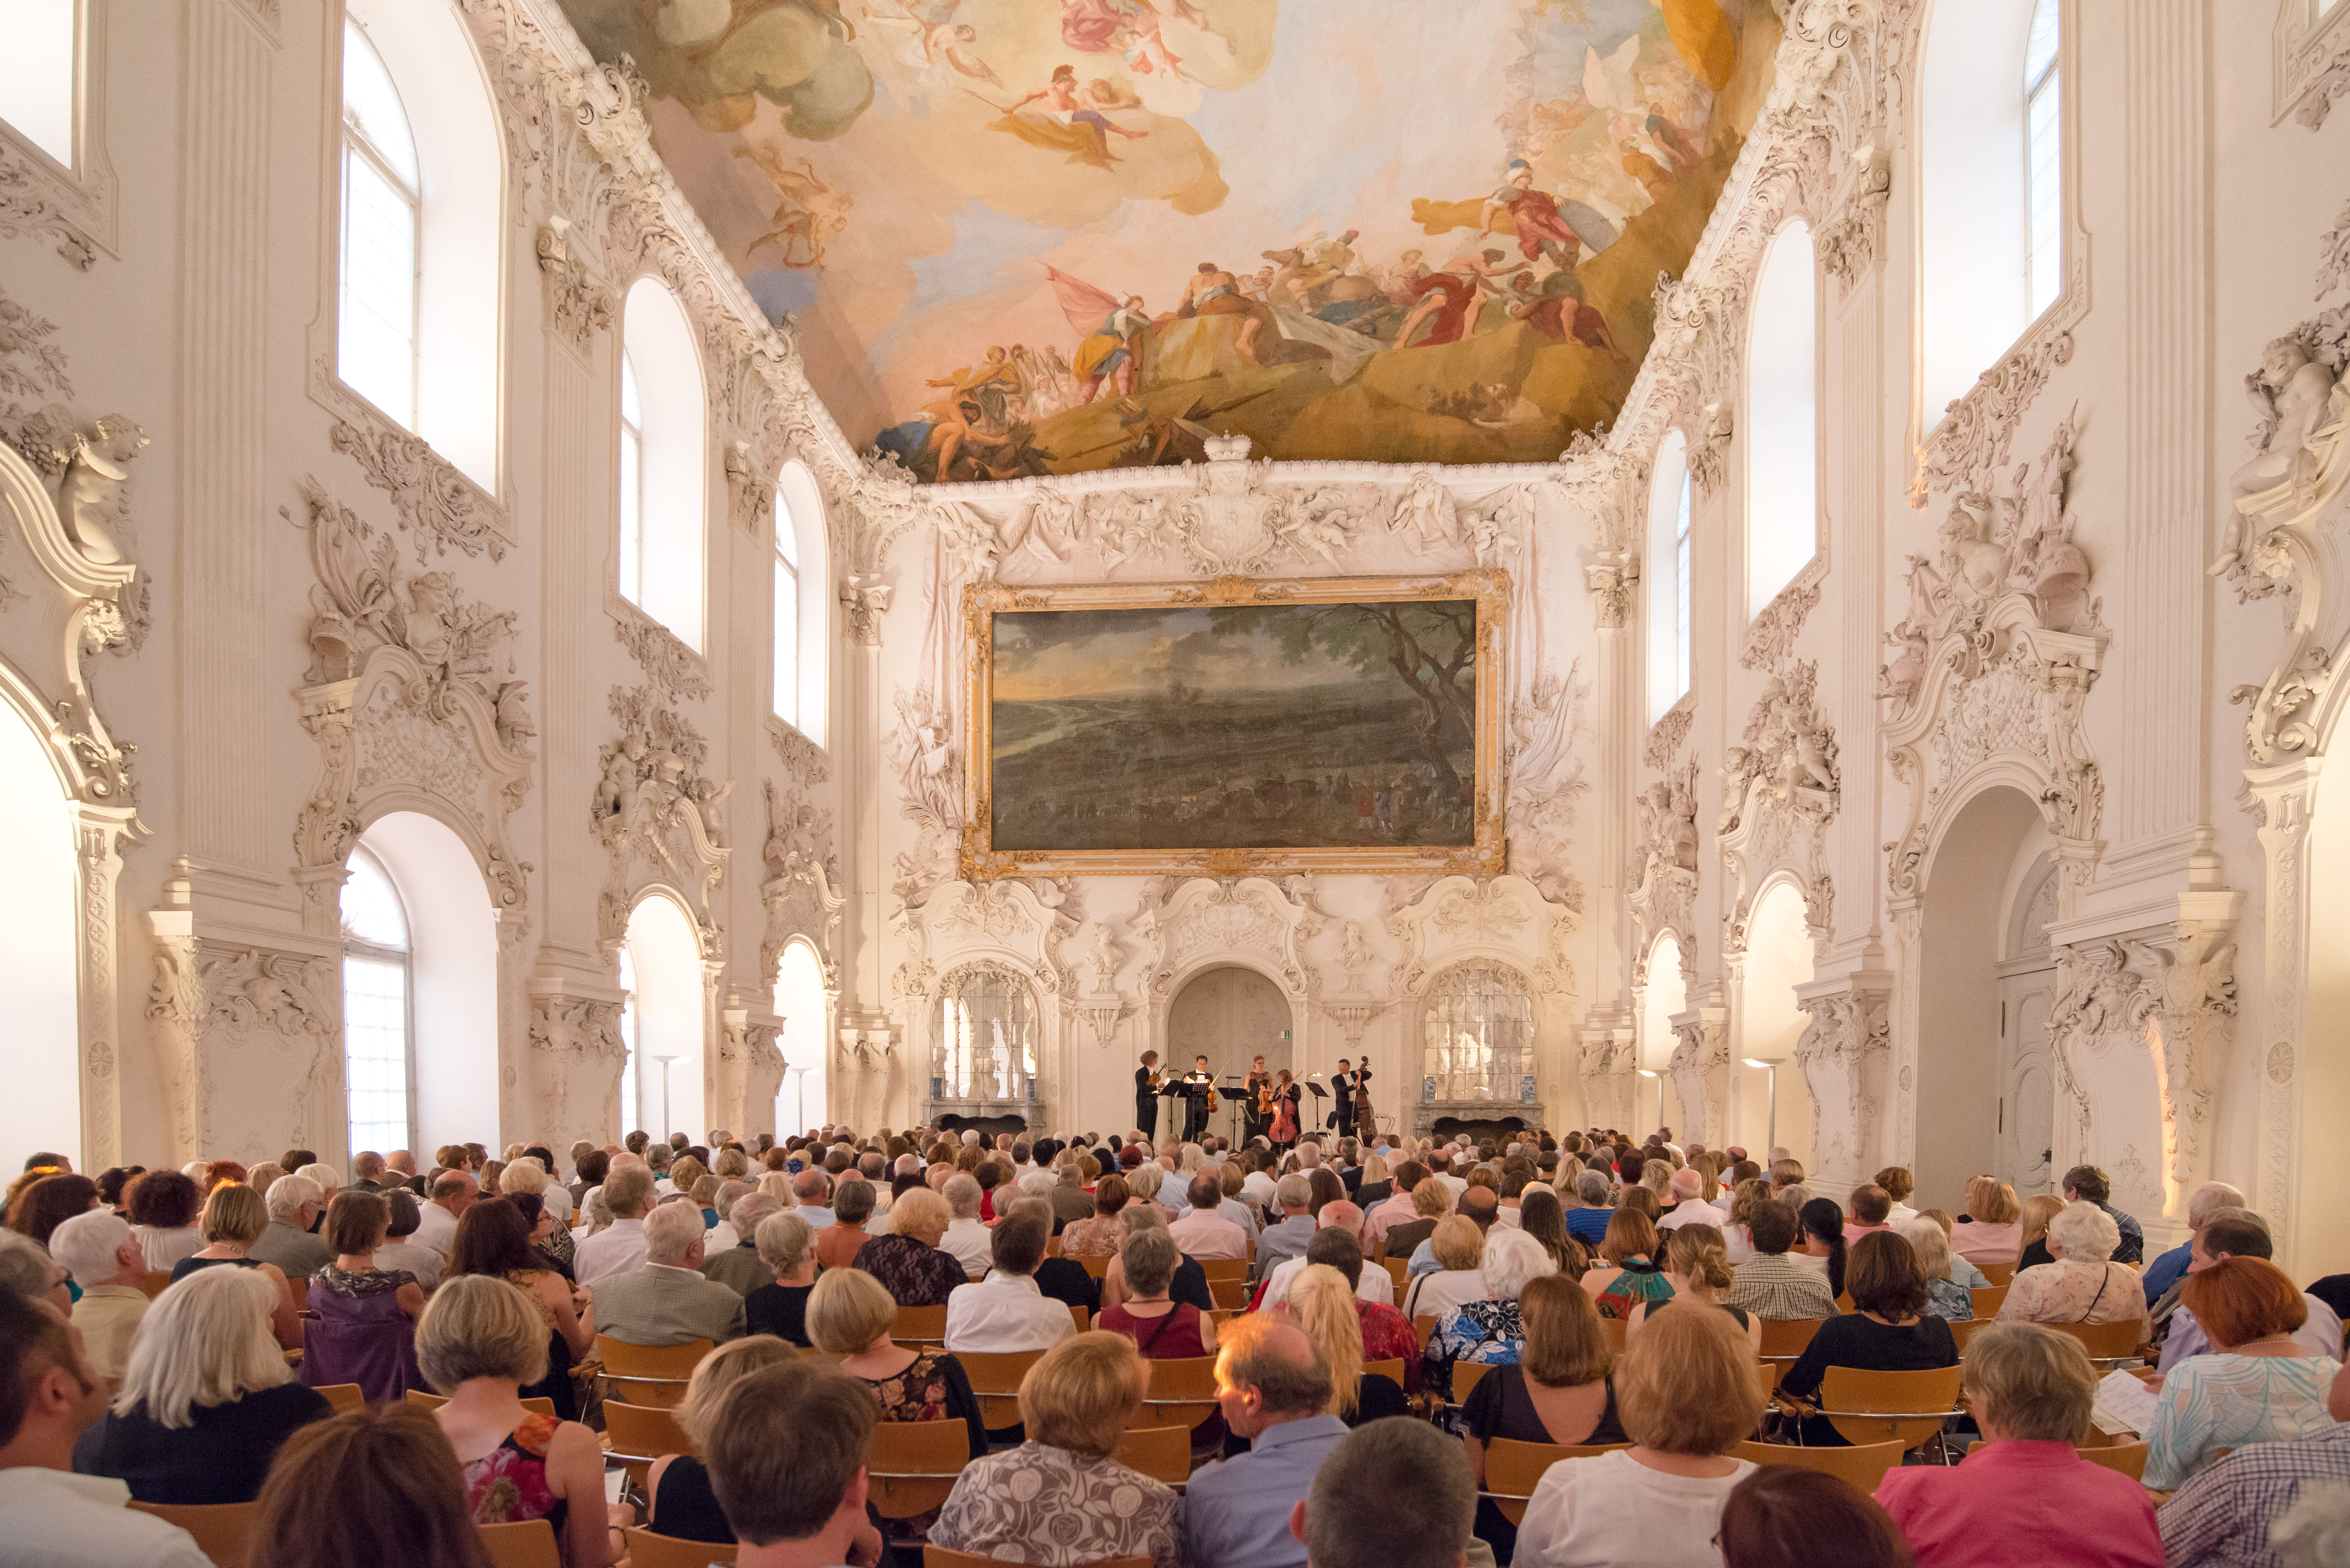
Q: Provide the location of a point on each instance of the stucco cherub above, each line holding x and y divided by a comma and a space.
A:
2297, 395
90, 494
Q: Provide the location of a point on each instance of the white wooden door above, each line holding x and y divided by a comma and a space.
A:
2027, 1086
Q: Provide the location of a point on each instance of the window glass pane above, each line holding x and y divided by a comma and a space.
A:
2040, 45
982, 1038
376, 348
371, 907
37, 75
788, 641
371, 109
632, 516
1781, 391
787, 531
2044, 190
1478, 1036
375, 1051
1681, 618
632, 408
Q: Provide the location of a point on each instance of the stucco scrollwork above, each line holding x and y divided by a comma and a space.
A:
217, 1004
577, 308
656, 806
1844, 1053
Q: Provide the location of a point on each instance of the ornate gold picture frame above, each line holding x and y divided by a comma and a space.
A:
1235, 727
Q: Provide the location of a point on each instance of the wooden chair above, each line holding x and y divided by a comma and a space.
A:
1231, 1295
1871, 1408
1767, 1374
920, 1325
1513, 1469
1052, 1246
995, 1378
1785, 1341
648, 1373
1391, 1369
344, 1397
640, 1435
2110, 1344
526, 1543
647, 1550
1465, 1376
1843, 1302
1997, 1274
223, 1530
155, 1285
1097, 1267
940, 1557
912, 1465
1965, 1330
2127, 1457
1862, 1466
1081, 1316
1612, 1330
1182, 1392
1399, 1270
1223, 1315
1162, 1453
1224, 1269
1422, 1326
1987, 1303
540, 1405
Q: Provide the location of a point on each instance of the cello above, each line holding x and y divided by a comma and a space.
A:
1365, 1124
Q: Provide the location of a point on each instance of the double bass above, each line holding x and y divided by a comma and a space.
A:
1364, 1121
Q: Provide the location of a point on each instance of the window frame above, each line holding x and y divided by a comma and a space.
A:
1753, 432
405, 956
631, 492
785, 650
353, 140
2048, 80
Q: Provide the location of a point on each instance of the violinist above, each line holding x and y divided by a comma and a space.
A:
1146, 1081
1257, 1109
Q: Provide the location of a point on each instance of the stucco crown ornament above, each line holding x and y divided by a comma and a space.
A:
1232, 524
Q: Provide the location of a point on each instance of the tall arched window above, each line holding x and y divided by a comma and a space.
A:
631, 1117
378, 1065
787, 617
1782, 434
1991, 168
801, 635
38, 956
800, 1003
421, 237
383, 214
661, 385
39, 72
1668, 572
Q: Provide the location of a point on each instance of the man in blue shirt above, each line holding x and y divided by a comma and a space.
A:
1279, 1243
2086, 1183
2171, 1267
1272, 1386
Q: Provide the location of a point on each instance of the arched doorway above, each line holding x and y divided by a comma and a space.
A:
1778, 959
1964, 1062
2027, 996
664, 1020
1666, 994
1230, 1015
38, 964
800, 1003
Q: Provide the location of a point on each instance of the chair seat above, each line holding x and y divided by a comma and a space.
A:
1869, 1407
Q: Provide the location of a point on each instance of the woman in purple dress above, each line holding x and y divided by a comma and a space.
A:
365, 1332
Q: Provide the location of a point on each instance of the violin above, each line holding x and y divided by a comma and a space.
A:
1265, 1095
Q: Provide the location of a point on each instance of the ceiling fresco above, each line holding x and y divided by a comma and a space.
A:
1045, 236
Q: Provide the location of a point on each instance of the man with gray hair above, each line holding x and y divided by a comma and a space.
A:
2201, 1204
294, 1207
1393, 1494
667, 1302
966, 1236
330, 1180
104, 1258
627, 1194
812, 1198
367, 1171
1288, 1239
739, 1267
452, 1192
1273, 1387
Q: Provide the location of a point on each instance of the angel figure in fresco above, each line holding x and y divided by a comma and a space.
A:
940, 48
808, 209
1109, 330
1066, 125
1130, 26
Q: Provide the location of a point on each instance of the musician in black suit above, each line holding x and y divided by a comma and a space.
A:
1145, 1095
1343, 1084
1197, 1083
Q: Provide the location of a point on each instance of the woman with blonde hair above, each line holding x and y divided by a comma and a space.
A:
1630, 1272
2038, 1209
850, 1316
1322, 1302
1738, 1230
233, 1218
1378, 1182
908, 1260
1459, 1248
1945, 1297
1697, 1265
684, 1507
786, 1245
206, 1394
1059, 1498
1687, 1394
1993, 1231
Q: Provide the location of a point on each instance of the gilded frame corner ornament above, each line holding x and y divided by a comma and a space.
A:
1486, 854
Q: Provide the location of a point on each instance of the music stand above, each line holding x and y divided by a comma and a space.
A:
1234, 1097
1319, 1093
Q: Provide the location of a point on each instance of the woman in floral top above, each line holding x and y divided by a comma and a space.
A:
1098, 1237
1491, 1330
1059, 1499
850, 1316
908, 1260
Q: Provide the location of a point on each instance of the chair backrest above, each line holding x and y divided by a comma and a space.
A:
1422, 1327
1391, 1369
1224, 1269
1182, 1390
538, 1405
1966, 1329
343, 1396
940, 1557
1082, 1316
640, 1435
1512, 1469
1784, 1340
647, 1550
1862, 1466
223, 1530
2103, 1341
1162, 1453
1097, 1267
1232, 1295
1869, 1406
1612, 1330
525, 1544
995, 1378
155, 1283
1987, 1302
2127, 1457
920, 1325
912, 1465
1465, 1376
649, 1373
1997, 1274
1399, 1270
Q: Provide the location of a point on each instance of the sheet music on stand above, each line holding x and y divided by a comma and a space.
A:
1236, 1100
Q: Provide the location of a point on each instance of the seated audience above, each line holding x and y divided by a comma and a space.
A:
1541, 1217
99, 1253
684, 1506
2081, 1284
1276, 1244
1273, 1388
2026, 1495
1005, 1313
1784, 1516
788, 1247
481, 1339
1431, 1203
1162, 1328
1395, 1494
207, 1395
850, 1316
1558, 1391
363, 1329
2171, 1267
1628, 1273
1322, 1302
1964, 1274
1945, 1297
1886, 1331
617, 1248
907, 1261
2226, 1515
39, 1206
1490, 1330
2256, 1385
1899, 1185
2038, 1209
1687, 1394
492, 1240
2236, 1233
163, 1207
234, 1218
786, 1456
2087, 1184
1387, 1333
1823, 1239
378, 1485
667, 1302
294, 1204
1059, 1500
1191, 1281
966, 1235
1991, 1230
1697, 1265
1202, 1231
399, 1250
1586, 1222
837, 1245
1872, 1209
1459, 1250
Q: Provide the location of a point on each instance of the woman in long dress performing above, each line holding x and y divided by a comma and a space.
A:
1286, 1096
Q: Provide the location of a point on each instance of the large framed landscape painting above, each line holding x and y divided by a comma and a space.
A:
1243, 728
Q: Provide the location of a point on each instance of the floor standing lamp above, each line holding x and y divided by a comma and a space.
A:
1652, 1073
1771, 1065
665, 1061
